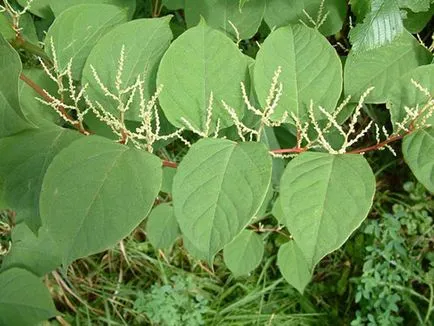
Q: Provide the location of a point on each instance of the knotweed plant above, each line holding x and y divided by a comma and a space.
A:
15, 14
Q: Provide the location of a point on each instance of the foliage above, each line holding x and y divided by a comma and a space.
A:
267, 129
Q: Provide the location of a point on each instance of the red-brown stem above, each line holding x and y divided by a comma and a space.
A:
62, 110
377, 146
169, 164
289, 150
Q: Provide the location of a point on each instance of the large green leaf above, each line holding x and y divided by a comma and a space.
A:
199, 62
11, 118
311, 70
243, 254
76, 30
162, 228
418, 150
23, 162
38, 113
219, 14
95, 192
381, 25
60, 5
24, 300
144, 41
293, 265
324, 198
38, 254
284, 12
404, 93
207, 188
381, 67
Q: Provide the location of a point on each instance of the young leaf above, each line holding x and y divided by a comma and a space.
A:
38, 254
282, 12
95, 192
404, 93
324, 198
144, 42
162, 228
380, 26
11, 118
24, 300
76, 30
23, 163
418, 150
382, 66
220, 14
294, 267
243, 254
311, 70
207, 188
199, 62
60, 5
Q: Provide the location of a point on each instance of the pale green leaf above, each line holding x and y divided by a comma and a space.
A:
23, 162
277, 211
418, 150
39, 8
404, 93
381, 67
293, 265
311, 70
95, 192
207, 188
199, 62
24, 300
38, 254
11, 117
6, 27
220, 14
76, 30
144, 41
36, 112
168, 175
283, 12
324, 198
380, 26
60, 5
193, 251
162, 228
243, 254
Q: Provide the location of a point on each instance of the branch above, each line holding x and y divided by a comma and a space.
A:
170, 164
38, 89
379, 145
289, 150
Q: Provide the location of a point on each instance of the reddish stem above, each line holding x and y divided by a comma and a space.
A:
62, 110
377, 146
169, 164
289, 150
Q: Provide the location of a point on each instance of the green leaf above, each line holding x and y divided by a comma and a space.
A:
415, 5
324, 198
95, 192
60, 5
36, 112
193, 251
243, 254
39, 8
380, 26
218, 14
311, 70
11, 117
381, 67
144, 41
293, 265
405, 94
38, 254
360, 8
418, 150
24, 300
174, 4
199, 62
6, 29
416, 22
277, 211
23, 163
168, 175
162, 228
207, 188
76, 30
282, 12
